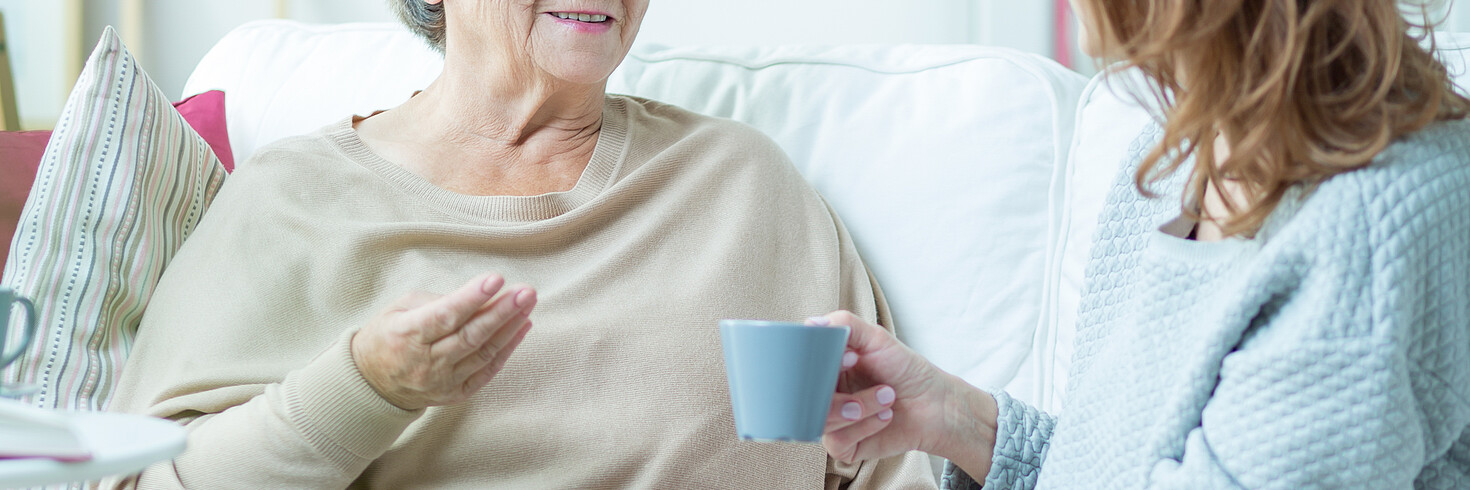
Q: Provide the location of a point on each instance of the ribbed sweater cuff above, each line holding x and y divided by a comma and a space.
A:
955, 478
1021, 437
339, 413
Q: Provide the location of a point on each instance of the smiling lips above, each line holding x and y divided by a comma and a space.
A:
583, 22
580, 17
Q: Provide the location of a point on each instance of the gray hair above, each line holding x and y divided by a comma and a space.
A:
423, 18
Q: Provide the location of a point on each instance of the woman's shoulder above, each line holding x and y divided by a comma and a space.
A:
701, 146
1438, 152
1414, 191
292, 175
1355, 253
1401, 218
294, 150
1423, 178
320, 159
653, 119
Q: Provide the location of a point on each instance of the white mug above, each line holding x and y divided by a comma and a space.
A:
7, 299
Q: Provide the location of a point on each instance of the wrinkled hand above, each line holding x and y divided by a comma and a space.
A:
889, 400
428, 350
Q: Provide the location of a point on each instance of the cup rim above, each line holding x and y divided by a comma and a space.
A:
741, 322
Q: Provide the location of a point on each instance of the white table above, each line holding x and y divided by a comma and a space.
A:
120, 443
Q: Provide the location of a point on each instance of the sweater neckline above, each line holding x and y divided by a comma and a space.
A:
1166, 242
601, 173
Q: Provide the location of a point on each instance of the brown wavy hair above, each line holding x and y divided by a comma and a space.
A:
1302, 89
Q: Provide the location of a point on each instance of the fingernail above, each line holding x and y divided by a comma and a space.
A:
886, 395
885, 415
852, 411
486, 285
818, 321
849, 359
523, 298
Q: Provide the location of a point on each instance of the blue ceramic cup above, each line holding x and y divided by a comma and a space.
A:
782, 376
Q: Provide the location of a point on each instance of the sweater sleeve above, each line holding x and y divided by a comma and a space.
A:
1022, 436
1353, 412
1325, 414
319, 428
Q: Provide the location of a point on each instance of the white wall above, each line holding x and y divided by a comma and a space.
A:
179, 32
1021, 24
35, 32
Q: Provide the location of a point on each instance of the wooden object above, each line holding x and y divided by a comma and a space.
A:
75, 41
134, 27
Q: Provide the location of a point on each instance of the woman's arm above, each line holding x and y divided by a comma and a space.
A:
1325, 414
319, 428
1011, 458
891, 401
323, 424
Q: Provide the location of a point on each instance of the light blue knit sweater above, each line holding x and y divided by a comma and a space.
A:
1332, 351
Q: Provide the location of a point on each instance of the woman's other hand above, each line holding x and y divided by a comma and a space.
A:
429, 350
889, 400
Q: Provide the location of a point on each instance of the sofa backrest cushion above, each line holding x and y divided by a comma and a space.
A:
944, 161
287, 78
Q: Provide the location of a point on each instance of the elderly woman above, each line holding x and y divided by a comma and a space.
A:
288, 337
1293, 309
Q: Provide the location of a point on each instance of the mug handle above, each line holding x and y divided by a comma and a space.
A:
32, 322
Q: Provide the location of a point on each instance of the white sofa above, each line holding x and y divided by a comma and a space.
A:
970, 177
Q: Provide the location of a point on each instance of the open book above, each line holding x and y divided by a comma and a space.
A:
30, 432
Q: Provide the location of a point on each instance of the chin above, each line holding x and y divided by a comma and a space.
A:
584, 71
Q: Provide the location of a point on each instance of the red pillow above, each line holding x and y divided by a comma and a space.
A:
20, 156
206, 114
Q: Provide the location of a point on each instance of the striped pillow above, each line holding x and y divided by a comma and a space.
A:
122, 182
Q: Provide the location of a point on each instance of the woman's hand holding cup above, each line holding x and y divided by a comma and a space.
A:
429, 350
890, 400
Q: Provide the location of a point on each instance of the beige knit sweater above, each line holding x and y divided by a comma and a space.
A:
678, 221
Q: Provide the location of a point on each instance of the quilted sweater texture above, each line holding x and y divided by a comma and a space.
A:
1331, 351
